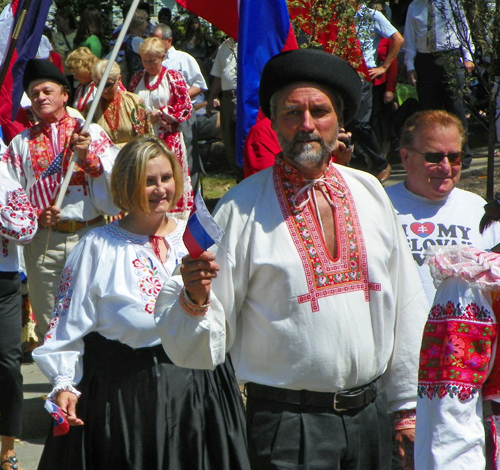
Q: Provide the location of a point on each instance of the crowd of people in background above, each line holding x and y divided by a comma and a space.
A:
318, 296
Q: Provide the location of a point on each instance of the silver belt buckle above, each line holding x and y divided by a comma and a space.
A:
335, 403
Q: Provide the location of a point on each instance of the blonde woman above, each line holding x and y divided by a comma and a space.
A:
80, 63
121, 114
165, 95
103, 353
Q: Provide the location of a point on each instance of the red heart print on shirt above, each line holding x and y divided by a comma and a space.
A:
422, 230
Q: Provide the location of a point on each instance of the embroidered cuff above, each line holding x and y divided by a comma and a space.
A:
404, 419
63, 384
190, 307
92, 165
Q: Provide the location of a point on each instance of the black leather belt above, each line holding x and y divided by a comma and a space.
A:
438, 53
343, 400
230, 93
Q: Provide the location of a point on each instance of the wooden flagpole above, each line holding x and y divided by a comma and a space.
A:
95, 102
13, 41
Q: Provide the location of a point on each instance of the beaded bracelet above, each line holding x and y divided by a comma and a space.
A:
190, 307
404, 419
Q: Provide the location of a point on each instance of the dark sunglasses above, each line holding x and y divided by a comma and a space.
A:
108, 85
455, 158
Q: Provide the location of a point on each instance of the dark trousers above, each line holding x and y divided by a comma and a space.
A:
11, 380
228, 128
366, 146
189, 129
292, 437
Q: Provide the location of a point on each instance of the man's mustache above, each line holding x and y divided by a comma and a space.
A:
306, 136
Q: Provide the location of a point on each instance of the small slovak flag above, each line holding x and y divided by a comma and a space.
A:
61, 425
202, 231
43, 192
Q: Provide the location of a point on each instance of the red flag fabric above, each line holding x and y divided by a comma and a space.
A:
61, 425
223, 14
26, 48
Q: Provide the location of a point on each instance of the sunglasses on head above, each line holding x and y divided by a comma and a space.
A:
455, 158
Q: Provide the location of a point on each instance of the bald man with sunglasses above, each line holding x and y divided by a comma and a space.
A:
430, 208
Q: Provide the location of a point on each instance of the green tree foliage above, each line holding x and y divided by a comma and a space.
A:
483, 17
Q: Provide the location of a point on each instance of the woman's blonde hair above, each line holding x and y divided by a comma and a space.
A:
98, 71
152, 44
81, 59
128, 178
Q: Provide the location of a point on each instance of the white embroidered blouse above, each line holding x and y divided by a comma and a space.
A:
109, 285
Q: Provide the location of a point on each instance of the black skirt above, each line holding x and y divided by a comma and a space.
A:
141, 412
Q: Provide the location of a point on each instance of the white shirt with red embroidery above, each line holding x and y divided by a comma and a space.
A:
289, 314
88, 194
109, 285
84, 95
18, 223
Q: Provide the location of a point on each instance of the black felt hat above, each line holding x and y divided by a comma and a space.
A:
37, 69
310, 65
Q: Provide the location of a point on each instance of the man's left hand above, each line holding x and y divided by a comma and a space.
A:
81, 141
342, 155
404, 441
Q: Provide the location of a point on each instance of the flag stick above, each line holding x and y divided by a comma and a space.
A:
95, 102
13, 41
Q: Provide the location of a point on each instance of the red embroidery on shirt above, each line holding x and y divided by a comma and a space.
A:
13, 160
325, 277
42, 153
456, 351
149, 283
63, 301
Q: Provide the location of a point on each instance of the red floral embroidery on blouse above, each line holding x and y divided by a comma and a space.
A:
63, 301
149, 283
456, 351
17, 219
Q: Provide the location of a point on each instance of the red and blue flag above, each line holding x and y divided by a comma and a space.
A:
61, 425
28, 40
262, 29
202, 231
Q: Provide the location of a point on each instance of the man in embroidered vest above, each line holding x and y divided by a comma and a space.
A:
37, 159
314, 293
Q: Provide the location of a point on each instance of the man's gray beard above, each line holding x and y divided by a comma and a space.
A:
307, 155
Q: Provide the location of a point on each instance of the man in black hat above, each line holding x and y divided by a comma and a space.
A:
314, 293
37, 159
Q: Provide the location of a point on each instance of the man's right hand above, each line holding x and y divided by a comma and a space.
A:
49, 216
67, 402
412, 77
